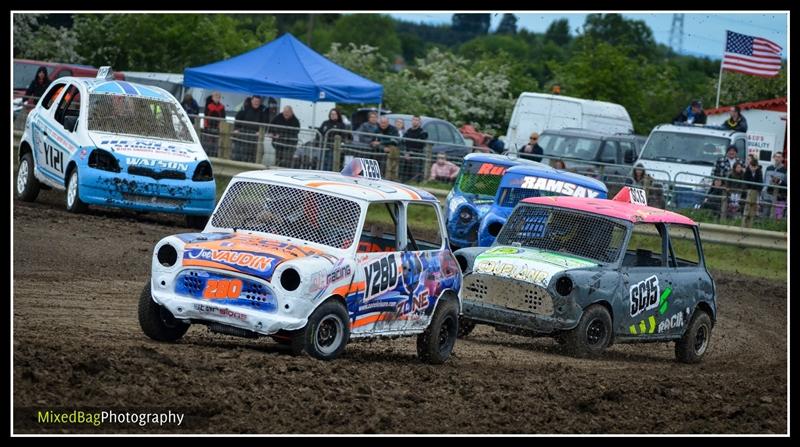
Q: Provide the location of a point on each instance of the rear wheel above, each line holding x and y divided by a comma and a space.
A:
327, 331
693, 345
436, 344
592, 335
156, 321
74, 203
27, 184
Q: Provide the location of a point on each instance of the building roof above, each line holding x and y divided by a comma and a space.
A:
615, 209
775, 104
358, 188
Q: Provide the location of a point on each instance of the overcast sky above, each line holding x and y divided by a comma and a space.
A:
703, 33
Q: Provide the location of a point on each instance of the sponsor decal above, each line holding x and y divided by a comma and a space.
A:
504, 251
152, 147
222, 311
339, 273
161, 164
83, 154
644, 295
663, 303
53, 158
521, 272
672, 322
491, 169
242, 259
558, 187
381, 275
643, 328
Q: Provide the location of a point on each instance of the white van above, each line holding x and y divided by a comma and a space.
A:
536, 112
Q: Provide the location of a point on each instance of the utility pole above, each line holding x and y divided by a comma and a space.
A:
676, 32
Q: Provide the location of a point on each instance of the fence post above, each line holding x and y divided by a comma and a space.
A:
427, 162
260, 145
337, 153
393, 163
723, 207
750, 208
225, 140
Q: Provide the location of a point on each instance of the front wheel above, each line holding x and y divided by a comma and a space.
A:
592, 335
74, 203
156, 321
327, 331
27, 184
693, 345
436, 343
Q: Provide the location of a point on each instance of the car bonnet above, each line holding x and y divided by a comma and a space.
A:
526, 264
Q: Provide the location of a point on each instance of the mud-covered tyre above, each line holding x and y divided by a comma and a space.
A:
465, 327
196, 222
27, 186
156, 321
327, 332
693, 345
74, 203
436, 343
592, 335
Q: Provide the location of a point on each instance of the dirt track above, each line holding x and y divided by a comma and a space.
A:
77, 344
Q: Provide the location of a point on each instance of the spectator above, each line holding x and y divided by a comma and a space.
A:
443, 170
411, 165
753, 174
214, 109
400, 125
532, 149
725, 164
247, 119
736, 122
336, 122
386, 141
369, 127
38, 86
495, 144
736, 188
190, 105
558, 164
713, 200
641, 179
775, 175
693, 114
284, 138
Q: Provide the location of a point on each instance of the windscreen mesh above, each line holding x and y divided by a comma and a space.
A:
138, 116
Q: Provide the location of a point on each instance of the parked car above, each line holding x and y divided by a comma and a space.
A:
537, 112
25, 71
115, 143
683, 157
311, 259
592, 272
577, 145
535, 180
473, 194
441, 133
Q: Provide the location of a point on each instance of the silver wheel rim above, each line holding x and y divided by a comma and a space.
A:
328, 334
22, 177
701, 340
72, 191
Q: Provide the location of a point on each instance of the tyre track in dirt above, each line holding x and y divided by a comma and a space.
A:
77, 344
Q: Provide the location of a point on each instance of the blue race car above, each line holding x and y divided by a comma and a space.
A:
473, 194
521, 182
115, 143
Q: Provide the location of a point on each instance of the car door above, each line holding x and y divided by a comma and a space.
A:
56, 143
648, 282
380, 259
40, 117
690, 281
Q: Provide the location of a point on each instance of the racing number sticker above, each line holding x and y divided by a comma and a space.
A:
638, 196
222, 288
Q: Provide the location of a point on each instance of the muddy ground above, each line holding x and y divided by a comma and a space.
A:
77, 345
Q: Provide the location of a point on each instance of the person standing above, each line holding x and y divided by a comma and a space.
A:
333, 123
190, 105
774, 177
725, 164
400, 125
285, 136
532, 150
214, 112
38, 86
693, 114
247, 125
753, 174
641, 179
368, 129
411, 166
736, 122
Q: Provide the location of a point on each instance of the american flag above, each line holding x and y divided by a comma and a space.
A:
751, 55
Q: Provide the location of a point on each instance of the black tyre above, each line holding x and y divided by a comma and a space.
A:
196, 222
693, 345
74, 203
592, 335
465, 327
327, 331
27, 185
156, 321
436, 343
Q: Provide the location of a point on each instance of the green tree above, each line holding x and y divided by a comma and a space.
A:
35, 40
633, 35
558, 32
508, 24
738, 88
168, 42
375, 30
471, 24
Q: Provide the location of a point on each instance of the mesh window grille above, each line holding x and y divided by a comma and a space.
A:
291, 212
564, 231
137, 116
480, 178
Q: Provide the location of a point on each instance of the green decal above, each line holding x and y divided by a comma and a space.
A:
633, 329
652, 321
662, 307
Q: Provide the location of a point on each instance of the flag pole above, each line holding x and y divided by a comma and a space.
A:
719, 81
